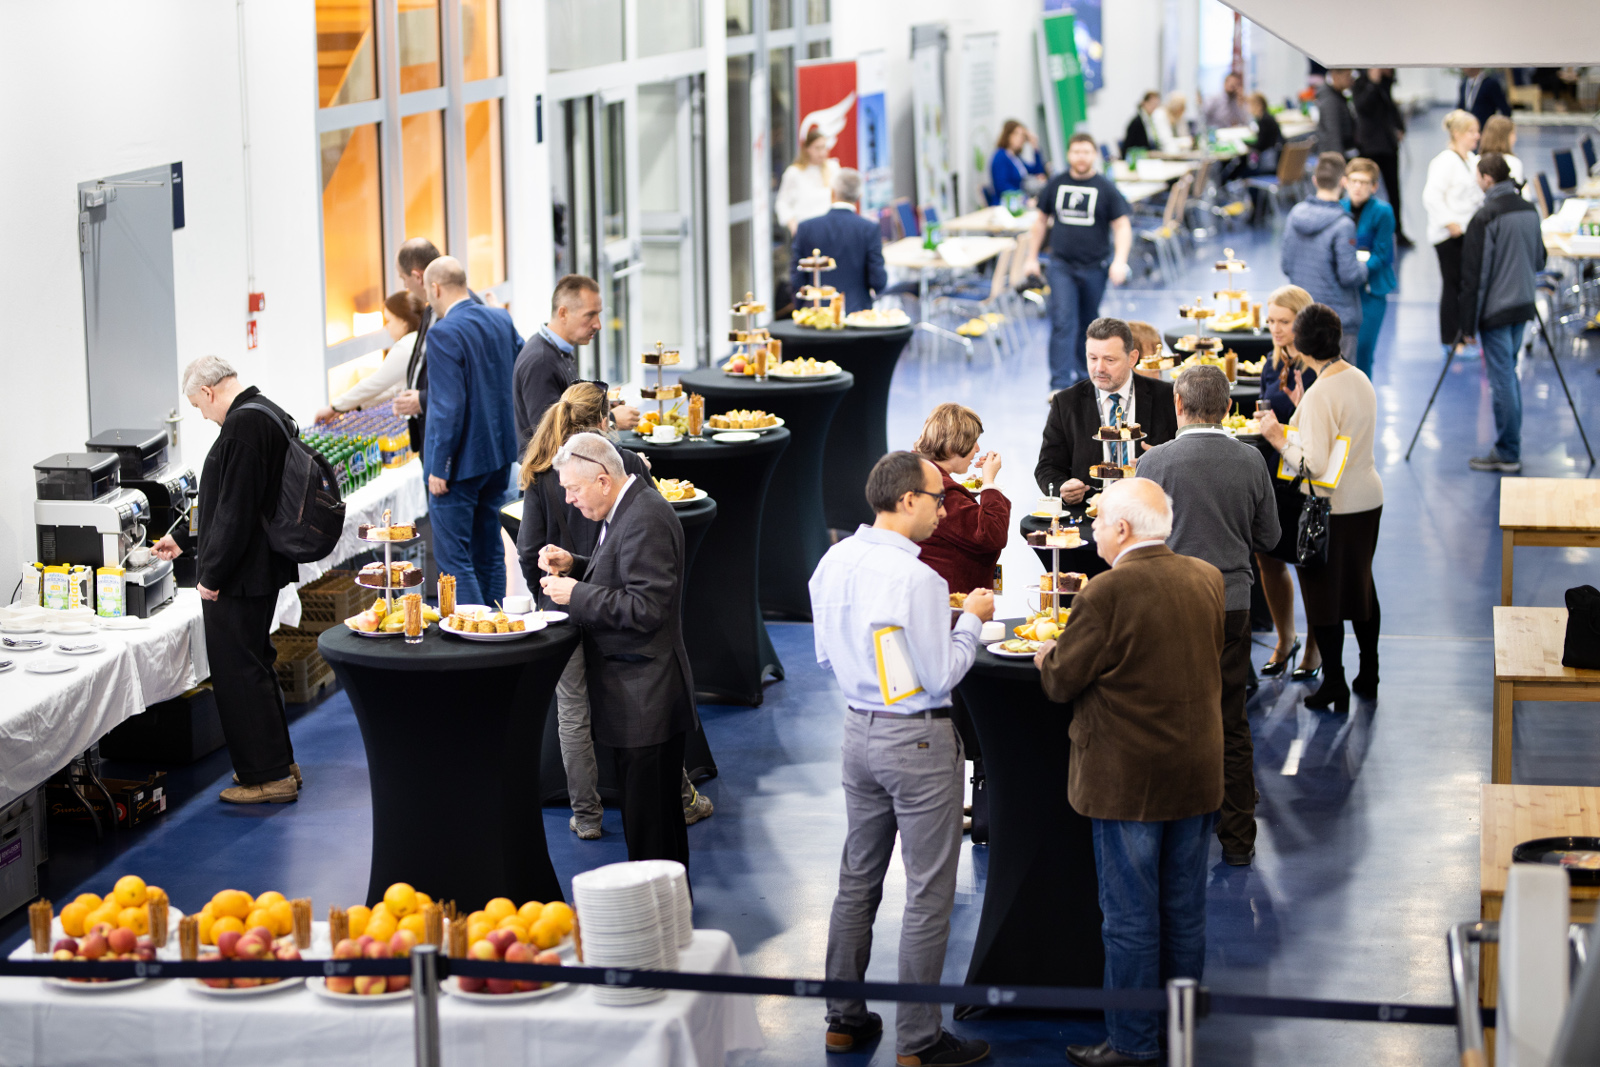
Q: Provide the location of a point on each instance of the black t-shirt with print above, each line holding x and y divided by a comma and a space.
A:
1081, 213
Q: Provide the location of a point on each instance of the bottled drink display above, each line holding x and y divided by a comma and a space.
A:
360, 445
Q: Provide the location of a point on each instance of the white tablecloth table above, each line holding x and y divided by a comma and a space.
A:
163, 1024
47, 719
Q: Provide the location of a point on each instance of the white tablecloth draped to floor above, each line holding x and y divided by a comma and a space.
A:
163, 1024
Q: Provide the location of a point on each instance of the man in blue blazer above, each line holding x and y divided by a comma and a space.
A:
471, 431
855, 243
1374, 235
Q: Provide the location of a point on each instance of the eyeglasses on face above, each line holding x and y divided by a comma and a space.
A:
938, 498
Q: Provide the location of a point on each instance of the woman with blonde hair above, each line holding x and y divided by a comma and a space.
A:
1452, 196
1500, 135
1283, 381
1169, 124
806, 189
966, 545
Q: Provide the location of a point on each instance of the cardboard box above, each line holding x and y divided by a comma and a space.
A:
137, 802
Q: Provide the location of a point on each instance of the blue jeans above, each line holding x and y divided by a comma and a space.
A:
1500, 344
466, 537
1373, 309
1075, 294
1153, 898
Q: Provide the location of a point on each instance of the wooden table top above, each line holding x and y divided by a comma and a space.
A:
994, 220
1549, 504
1527, 647
955, 252
1512, 814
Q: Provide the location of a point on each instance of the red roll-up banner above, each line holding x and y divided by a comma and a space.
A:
827, 100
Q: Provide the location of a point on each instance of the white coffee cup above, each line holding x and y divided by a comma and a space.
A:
517, 605
664, 432
139, 557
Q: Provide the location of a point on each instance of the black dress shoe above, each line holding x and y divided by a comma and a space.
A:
1103, 1055
1305, 674
1238, 859
1274, 667
1333, 693
845, 1037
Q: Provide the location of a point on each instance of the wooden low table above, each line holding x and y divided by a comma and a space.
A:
1547, 513
1510, 815
1527, 666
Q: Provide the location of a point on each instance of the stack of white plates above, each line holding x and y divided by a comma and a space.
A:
670, 873
621, 923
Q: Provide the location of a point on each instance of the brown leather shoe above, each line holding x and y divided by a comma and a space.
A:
844, 1037
294, 772
280, 792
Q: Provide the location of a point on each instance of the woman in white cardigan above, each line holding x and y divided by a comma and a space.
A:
806, 190
401, 317
1452, 197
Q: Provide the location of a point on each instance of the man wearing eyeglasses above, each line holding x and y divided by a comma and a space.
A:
881, 621
548, 363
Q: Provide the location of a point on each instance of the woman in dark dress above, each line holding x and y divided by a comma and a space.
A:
1283, 380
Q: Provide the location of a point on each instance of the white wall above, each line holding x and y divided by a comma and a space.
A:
144, 85
1131, 29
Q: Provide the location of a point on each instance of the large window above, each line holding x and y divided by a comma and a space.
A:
410, 141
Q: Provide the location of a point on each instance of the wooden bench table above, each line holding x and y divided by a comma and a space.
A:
1548, 513
1527, 666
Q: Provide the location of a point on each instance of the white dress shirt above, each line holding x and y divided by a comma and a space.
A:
874, 580
1136, 546
605, 525
1125, 395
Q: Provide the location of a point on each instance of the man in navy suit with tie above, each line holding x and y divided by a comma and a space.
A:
855, 243
471, 431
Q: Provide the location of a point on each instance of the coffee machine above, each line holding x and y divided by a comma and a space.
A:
83, 515
171, 489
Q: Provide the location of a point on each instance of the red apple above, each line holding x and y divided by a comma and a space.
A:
67, 943
483, 950
122, 940
262, 932
399, 983
341, 984
401, 944
93, 947
517, 952
251, 947
347, 950
501, 940
364, 940
63, 955
370, 985
248, 983
502, 985
288, 952
103, 929
378, 950
470, 985
226, 943
549, 958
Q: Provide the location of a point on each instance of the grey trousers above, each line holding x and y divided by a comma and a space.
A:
900, 776
577, 744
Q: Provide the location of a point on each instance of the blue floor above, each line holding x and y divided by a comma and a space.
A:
1369, 827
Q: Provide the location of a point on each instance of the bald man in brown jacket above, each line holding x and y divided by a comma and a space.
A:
1139, 661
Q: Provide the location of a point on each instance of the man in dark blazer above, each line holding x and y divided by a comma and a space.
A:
1146, 759
1077, 412
472, 434
412, 402
1482, 93
855, 243
549, 361
628, 598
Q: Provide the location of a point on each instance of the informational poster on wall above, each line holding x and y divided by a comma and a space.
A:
1086, 34
827, 101
1062, 74
930, 128
872, 131
980, 122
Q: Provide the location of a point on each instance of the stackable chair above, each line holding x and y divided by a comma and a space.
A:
1165, 239
1287, 182
1566, 170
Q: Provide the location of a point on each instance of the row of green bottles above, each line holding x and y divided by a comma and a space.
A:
356, 460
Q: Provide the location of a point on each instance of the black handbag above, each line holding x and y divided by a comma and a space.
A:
1311, 542
1582, 646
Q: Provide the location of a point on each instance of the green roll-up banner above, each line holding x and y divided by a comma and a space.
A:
1064, 72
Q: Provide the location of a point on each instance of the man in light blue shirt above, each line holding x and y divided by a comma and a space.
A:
881, 620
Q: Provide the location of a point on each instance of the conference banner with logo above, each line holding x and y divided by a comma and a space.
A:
827, 100
872, 131
1066, 104
1086, 22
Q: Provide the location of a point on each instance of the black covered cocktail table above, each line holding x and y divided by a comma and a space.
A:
453, 730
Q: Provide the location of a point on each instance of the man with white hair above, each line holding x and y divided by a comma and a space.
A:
628, 597
855, 243
239, 575
1138, 660
471, 431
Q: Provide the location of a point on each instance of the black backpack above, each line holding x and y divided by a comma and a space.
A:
306, 524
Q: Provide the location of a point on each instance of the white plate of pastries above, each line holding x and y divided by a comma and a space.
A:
807, 368
744, 419
878, 319
487, 624
680, 491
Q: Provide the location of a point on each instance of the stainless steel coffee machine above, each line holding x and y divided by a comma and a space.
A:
171, 489
83, 515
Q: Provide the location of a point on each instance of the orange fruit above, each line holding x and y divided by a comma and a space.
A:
135, 919
480, 916
269, 898
401, 898
546, 933
416, 924
282, 916
477, 931
499, 908
382, 926
72, 917
105, 913
258, 917
423, 900
207, 920
88, 900
516, 926
130, 891
232, 902
155, 893
359, 916
381, 908
530, 912
223, 924
561, 912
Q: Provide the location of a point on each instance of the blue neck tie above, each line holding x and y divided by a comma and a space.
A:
1116, 409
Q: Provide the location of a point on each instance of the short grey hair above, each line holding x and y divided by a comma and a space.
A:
1144, 520
1204, 392
847, 185
595, 449
206, 372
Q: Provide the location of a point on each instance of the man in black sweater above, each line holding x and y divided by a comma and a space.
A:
548, 363
239, 576
1223, 511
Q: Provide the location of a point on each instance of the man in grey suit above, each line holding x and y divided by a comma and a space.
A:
627, 595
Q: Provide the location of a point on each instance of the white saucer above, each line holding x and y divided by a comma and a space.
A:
49, 666
734, 437
81, 650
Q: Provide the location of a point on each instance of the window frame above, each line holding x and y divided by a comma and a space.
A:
451, 98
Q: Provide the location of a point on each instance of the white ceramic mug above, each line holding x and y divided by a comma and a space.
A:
517, 605
139, 557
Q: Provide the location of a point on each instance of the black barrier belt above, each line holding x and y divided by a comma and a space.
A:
1070, 998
